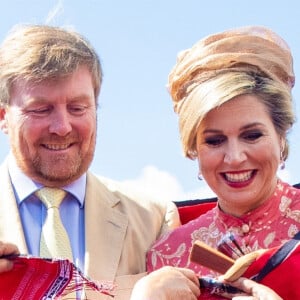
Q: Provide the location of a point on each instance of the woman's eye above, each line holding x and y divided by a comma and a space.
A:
215, 141
252, 136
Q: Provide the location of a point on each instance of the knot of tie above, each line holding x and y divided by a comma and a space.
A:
54, 238
51, 197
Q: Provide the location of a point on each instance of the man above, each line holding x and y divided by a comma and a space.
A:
50, 80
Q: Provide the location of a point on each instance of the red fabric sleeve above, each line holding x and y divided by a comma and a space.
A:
283, 279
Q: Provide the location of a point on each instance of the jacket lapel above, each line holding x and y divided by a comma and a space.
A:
105, 228
10, 226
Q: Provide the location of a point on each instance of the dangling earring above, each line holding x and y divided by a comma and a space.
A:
282, 148
200, 177
282, 162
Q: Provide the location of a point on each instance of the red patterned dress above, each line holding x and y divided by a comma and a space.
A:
268, 226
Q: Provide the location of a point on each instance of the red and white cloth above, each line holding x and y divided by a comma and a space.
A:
38, 278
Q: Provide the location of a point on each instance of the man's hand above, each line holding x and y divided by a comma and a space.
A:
167, 283
5, 250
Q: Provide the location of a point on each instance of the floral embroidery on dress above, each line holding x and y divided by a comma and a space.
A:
209, 235
284, 204
172, 259
292, 230
288, 212
269, 239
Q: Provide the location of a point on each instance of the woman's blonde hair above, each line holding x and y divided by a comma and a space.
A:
224, 87
247, 60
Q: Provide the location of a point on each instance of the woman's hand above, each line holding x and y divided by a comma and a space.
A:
254, 290
7, 249
167, 283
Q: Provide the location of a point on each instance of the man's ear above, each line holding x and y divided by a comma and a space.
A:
3, 121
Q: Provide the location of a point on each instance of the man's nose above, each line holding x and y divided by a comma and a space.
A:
60, 122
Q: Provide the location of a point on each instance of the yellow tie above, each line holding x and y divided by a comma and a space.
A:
54, 238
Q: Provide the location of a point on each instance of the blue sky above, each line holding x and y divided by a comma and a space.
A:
138, 41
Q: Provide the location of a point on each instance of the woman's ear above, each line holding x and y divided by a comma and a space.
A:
3, 121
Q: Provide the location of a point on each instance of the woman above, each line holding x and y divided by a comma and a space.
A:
232, 93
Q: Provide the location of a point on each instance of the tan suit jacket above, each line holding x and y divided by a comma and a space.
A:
118, 228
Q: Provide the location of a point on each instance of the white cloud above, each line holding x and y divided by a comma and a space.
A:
163, 185
54, 13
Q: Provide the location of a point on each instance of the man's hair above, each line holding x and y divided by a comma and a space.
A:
39, 52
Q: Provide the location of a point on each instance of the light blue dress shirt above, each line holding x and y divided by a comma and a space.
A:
33, 212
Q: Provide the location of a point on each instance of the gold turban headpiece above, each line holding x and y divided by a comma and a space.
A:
254, 47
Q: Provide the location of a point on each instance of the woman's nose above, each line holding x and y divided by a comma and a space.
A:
235, 153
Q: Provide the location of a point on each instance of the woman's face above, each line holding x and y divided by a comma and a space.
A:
239, 153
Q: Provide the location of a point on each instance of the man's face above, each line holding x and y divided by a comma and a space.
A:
52, 127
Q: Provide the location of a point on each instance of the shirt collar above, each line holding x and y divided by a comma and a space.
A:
24, 186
